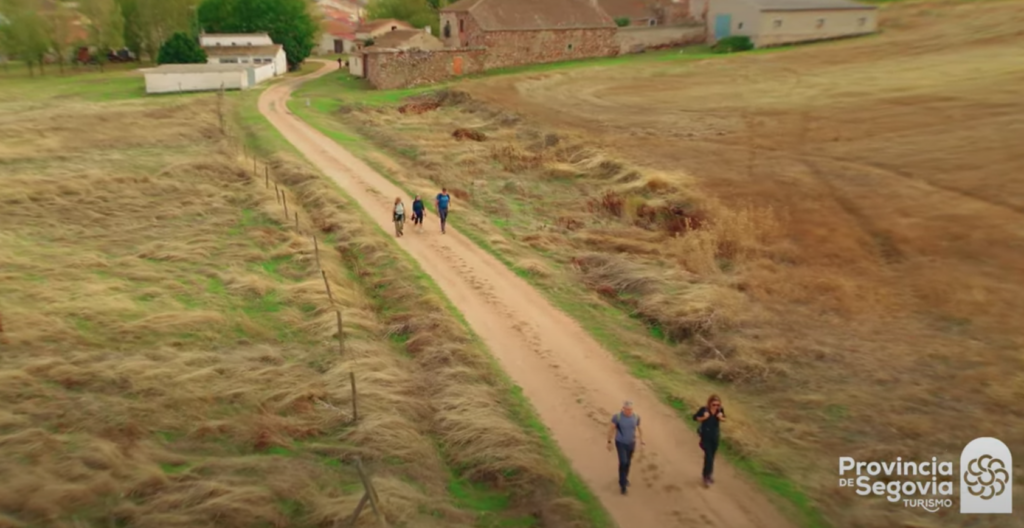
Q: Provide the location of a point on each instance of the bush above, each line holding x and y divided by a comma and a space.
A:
733, 44
622, 21
181, 49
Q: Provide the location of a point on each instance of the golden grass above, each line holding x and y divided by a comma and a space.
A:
838, 245
170, 354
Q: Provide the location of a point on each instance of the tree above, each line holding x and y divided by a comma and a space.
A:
288, 22
24, 34
58, 24
623, 21
106, 27
418, 13
181, 48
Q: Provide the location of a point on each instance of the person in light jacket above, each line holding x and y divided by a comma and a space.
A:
399, 216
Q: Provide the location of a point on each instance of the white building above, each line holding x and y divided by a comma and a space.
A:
172, 78
249, 54
778, 22
235, 39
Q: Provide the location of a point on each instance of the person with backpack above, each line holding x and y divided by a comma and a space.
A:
417, 213
625, 431
442, 201
398, 214
710, 417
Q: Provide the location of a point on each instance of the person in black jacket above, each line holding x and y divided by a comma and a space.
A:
710, 417
417, 213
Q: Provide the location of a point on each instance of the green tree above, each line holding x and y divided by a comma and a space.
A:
418, 13
106, 26
58, 24
622, 21
24, 33
288, 22
181, 48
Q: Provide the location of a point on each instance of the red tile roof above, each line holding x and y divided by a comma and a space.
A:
370, 25
339, 28
517, 15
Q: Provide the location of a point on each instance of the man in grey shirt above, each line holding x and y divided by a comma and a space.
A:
625, 430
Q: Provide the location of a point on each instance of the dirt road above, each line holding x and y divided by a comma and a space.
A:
573, 383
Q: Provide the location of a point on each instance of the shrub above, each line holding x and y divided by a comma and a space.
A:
622, 21
181, 49
733, 44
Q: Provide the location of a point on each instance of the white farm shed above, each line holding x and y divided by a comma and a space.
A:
778, 22
171, 78
235, 39
267, 54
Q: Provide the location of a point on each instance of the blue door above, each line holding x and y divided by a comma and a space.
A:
723, 23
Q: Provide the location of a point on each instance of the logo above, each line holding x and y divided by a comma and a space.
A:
926, 485
986, 477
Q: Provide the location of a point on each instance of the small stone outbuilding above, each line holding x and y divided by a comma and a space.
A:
518, 32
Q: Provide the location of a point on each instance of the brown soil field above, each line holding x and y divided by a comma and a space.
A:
170, 355
832, 234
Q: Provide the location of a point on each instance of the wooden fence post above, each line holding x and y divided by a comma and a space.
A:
284, 200
328, 286
355, 396
370, 496
278, 193
316, 250
296, 220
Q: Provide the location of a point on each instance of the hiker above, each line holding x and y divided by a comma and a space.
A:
625, 430
709, 416
417, 213
442, 202
399, 216
339, 63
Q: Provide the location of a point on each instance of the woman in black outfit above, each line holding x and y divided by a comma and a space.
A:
710, 416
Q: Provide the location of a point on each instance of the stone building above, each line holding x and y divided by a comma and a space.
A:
518, 32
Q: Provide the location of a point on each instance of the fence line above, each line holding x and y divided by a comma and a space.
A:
369, 491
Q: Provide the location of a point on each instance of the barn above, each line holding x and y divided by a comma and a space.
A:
778, 22
517, 32
172, 78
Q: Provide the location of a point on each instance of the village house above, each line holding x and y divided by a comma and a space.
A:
517, 32
234, 39
338, 36
777, 22
272, 54
371, 29
650, 13
397, 40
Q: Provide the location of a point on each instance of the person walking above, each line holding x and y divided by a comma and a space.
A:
399, 216
417, 213
710, 417
442, 201
625, 431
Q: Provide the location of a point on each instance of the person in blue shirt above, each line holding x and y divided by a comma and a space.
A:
417, 213
442, 202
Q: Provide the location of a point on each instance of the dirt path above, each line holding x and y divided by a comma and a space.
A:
573, 383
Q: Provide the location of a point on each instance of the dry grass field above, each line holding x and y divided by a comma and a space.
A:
170, 355
831, 234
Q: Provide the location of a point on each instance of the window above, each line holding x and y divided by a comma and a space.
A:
820, 24
739, 26
652, 22
447, 29
462, 26
861, 21
569, 47
777, 23
245, 61
229, 61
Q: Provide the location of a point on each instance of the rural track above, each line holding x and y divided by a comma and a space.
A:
574, 383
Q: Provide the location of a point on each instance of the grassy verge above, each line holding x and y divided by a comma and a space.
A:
618, 329
402, 292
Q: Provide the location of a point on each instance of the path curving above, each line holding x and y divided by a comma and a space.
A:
574, 384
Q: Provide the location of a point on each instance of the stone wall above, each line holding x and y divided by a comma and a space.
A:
516, 48
388, 70
637, 39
